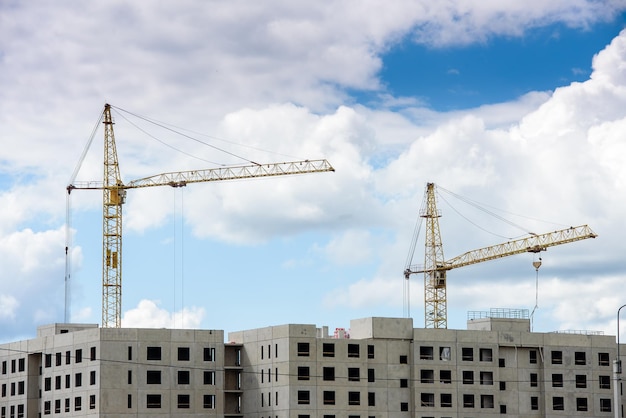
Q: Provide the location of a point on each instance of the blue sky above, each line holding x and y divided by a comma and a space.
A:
519, 108
497, 69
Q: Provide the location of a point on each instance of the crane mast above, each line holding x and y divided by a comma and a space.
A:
435, 301
114, 196
435, 267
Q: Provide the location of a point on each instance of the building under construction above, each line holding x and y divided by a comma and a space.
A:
378, 367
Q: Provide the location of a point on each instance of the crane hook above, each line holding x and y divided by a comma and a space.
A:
537, 264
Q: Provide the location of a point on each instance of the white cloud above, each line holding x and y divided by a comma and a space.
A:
352, 247
561, 162
450, 22
366, 293
148, 314
275, 76
8, 306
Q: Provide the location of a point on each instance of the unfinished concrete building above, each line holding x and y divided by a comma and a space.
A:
378, 367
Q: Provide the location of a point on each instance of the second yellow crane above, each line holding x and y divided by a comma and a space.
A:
435, 266
114, 195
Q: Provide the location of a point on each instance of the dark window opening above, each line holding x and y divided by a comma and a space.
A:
153, 353
183, 401
209, 377
603, 359
605, 382
468, 377
183, 354
427, 376
153, 401
208, 402
534, 403
183, 377
428, 399
303, 373
304, 397
328, 350
426, 353
580, 358
445, 376
605, 405
303, 349
153, 377
353, 350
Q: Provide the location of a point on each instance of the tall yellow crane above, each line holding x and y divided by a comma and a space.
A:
114, 196
435, 267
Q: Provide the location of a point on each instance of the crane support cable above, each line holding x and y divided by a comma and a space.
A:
181, 134
481, 208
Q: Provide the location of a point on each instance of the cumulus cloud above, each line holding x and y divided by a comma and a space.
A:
560, 162
8, 306
148, 314
277, 76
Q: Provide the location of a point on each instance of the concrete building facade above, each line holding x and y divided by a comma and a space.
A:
379, 367
82, 370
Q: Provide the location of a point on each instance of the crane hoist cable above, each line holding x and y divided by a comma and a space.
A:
68, 224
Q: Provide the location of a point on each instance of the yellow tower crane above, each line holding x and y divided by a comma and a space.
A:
114, 195
435, 267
